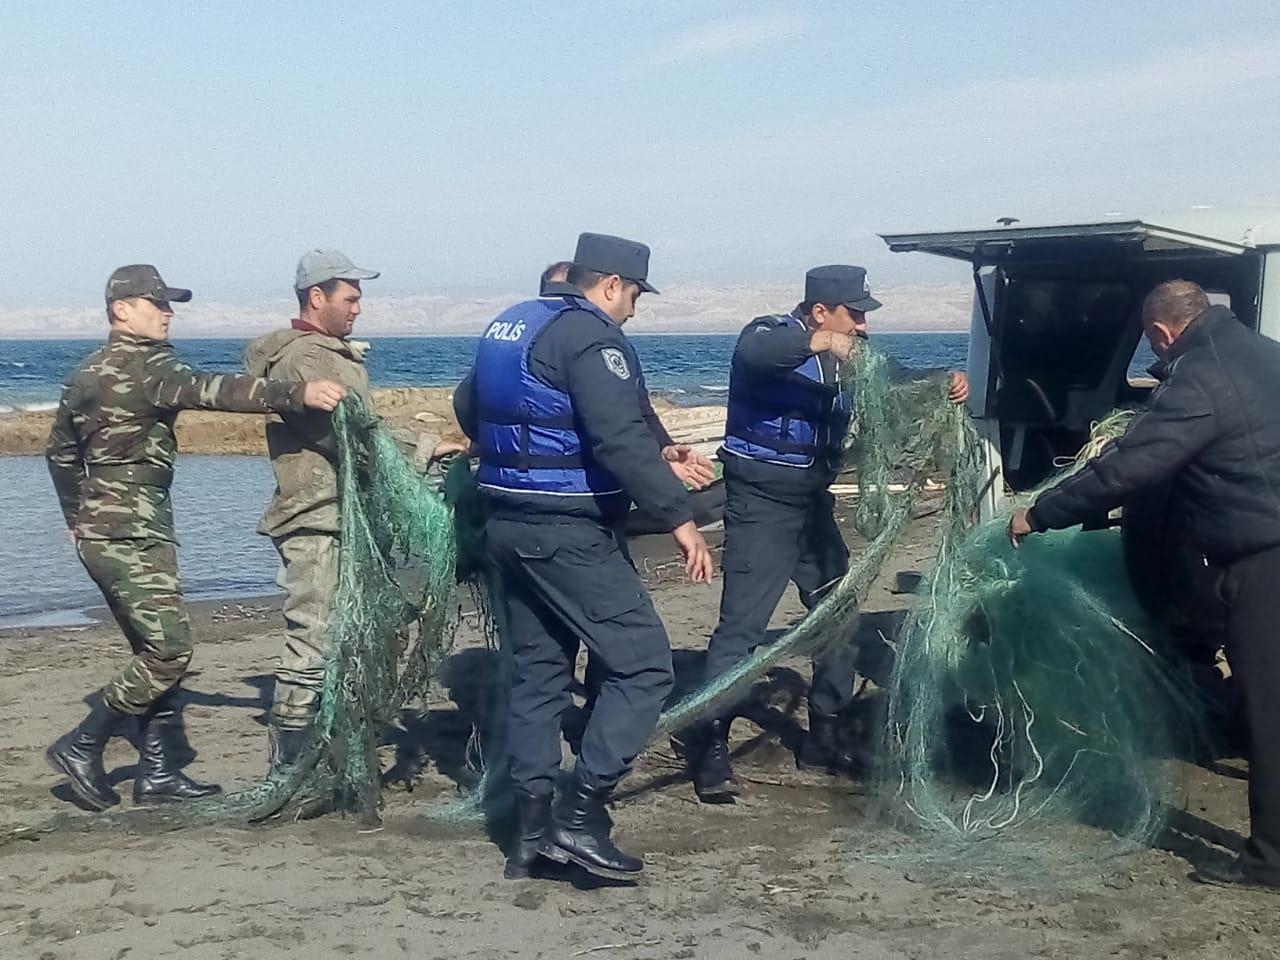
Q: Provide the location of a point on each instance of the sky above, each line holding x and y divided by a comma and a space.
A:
462, 146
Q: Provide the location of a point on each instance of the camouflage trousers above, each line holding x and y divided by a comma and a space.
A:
309, 577
139, 579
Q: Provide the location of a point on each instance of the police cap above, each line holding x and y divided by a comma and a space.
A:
143, 280
838, 283
614, 255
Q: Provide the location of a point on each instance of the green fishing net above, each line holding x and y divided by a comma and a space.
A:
899, 433
1028, 690
392, 625
1031, 690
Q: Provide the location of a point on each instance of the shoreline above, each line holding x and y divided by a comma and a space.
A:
717, 331
417, 415
645, 548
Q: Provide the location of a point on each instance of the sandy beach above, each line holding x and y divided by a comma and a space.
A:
797, 868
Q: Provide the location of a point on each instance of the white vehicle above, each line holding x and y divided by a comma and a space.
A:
1056, 340
1056, 344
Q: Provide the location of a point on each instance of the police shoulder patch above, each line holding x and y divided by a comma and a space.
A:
616, 362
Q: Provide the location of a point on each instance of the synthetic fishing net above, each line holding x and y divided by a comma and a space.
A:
902, 433
392, 625
1031, 689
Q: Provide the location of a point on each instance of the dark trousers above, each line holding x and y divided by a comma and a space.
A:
768, 544
1251, 588
562, 582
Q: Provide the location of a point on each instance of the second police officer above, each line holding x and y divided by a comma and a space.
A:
787, 420
556, 406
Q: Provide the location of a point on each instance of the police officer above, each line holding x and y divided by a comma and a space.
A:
690, 467
555, 273
556, 407
786, 421
111, 454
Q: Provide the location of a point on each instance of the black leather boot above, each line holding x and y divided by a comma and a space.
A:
159, 778
78, 754
284, 747
535, 814
713, 779
822, 750
579, 834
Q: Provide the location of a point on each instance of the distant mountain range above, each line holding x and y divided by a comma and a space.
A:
687, 309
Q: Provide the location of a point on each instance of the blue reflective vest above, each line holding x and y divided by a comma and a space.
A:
528, 438
785, 418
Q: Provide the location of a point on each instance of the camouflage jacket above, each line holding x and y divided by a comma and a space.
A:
304, 453
112, 448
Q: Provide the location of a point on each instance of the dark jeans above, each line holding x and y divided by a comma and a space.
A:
562, 582
1251, 589
768, 544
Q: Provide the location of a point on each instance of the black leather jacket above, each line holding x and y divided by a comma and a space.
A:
1212, 426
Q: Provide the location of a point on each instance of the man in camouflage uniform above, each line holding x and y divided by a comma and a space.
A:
111, 454
302, 519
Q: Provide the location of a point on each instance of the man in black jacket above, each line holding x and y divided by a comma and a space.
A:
1212, 426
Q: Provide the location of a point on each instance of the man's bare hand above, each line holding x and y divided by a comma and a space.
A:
840, 345
959, 391
323, 395
689, 467
697, 555
1019, 527
447, 448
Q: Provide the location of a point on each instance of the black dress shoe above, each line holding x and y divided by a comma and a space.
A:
1231, 874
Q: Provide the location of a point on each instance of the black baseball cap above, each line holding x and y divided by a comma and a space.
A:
143, 280
838, 283
614, 255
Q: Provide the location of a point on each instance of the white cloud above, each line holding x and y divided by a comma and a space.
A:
721, 38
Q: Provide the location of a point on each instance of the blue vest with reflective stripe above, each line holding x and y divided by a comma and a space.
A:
529, 441
783, 418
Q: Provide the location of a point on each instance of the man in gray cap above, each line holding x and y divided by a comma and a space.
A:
787, 419
111, 455
302, 518
555, 405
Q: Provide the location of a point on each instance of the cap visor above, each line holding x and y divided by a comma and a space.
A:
357, 273
172, 295
865, 305
646, 286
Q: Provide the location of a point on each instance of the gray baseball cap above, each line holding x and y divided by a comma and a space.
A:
143, 280
319, 266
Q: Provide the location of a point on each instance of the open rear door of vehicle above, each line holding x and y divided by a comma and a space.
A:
1111, 240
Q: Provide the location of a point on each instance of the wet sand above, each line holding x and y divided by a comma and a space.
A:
781, 873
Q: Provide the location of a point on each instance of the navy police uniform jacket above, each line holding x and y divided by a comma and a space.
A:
557, 404
787, 416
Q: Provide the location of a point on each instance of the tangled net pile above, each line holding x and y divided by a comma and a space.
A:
1029, 689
